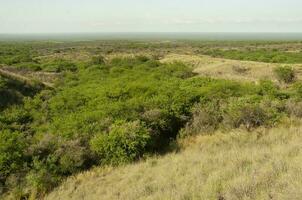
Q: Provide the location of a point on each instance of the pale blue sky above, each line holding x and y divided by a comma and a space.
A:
57, 16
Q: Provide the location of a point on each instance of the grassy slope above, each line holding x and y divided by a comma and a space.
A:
264, 164
224, 68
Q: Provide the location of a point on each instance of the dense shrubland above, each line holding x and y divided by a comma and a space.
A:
111, 112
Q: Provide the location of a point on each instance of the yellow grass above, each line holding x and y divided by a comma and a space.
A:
264, 164
224, 68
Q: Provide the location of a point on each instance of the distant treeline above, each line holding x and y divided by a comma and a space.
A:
261, 55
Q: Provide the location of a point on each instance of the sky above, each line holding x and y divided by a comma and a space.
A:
81, 16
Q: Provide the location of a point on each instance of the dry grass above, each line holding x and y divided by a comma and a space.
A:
265, 164
230, 69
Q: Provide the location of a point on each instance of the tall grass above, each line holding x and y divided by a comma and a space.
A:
264, 164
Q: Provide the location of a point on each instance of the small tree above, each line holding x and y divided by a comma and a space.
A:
125, 142
285, 74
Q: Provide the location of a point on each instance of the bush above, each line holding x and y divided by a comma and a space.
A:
267, 88
2, 84
98, 60
240, 69
206, 118
294, 107
53, 158
246, 112
142, 58
125, 142
298, 89
285, 74
12, 148
40, 180
60, 65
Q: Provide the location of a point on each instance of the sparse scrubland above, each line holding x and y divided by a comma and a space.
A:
150, 125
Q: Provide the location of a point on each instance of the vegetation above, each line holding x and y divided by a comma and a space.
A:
263, 164
125, 142
110, 110
285, 74
261, 55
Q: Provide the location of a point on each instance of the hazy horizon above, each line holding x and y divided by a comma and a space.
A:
210, 36
94, 16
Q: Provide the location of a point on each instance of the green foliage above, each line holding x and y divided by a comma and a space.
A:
206, 118
98, 60
261, 55
298, 89
285, 74
118, 111
249, 115
12, 150
142, 58
125, 142
267, 88
59, 65
2, 84
249, 112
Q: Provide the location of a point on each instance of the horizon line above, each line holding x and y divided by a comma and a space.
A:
152, 32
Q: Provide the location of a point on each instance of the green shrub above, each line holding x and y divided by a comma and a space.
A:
12, 153
249, 113
60, 65
261, 55
206, 118
298, 89
125, 142
267, 88
98, 60
142, 58
41, 179
285, 74
2, 84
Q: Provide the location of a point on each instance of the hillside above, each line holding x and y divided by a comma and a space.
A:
239, 70
264, 164
109, 115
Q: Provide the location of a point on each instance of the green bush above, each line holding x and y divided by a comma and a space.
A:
142, 58
60, 65
97, 60
261, 55
205, 118
12, 153
40, 180
2, 84
250, 113
125, 142
297, 87
267, 88
285, 74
